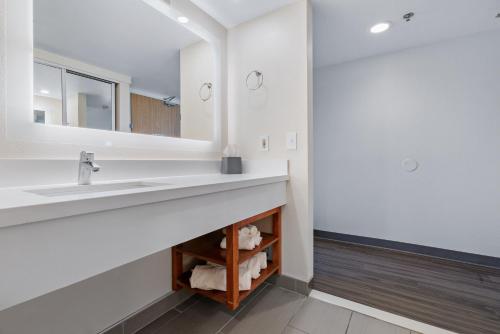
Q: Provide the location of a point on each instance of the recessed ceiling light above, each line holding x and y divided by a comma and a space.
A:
183, 19
44, 92
380, 27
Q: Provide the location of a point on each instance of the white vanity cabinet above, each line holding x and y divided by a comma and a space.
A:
90, 234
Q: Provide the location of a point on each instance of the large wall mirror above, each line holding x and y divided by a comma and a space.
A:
98, 65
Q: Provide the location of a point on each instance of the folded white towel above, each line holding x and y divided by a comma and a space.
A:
213, 277
257, 239
245, 280
244, 231
244, 242
253, 231
248, 238
208, 277
247, 230
262, 256
253, 265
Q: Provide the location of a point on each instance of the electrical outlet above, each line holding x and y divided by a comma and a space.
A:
291, 141
264, 143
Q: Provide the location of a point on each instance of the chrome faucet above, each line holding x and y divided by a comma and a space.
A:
86, 167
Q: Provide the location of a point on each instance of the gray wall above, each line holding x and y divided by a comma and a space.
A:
94, 304
438, 104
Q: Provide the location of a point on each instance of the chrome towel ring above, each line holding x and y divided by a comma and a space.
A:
260, 80
205, 97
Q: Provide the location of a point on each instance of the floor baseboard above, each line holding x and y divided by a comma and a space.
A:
291, 283
480, 260
149, 313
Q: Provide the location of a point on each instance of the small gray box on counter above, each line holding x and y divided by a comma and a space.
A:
231, 165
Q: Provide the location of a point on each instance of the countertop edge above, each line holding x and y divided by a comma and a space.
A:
23, 215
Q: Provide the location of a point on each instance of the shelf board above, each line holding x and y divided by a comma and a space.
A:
220, 296
258, 217
208, 248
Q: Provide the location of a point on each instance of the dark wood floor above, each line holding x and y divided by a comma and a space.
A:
459, 297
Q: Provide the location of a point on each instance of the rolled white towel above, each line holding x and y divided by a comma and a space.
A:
247, 230
253, 264
262, 256
210, 277
253, 231
257, 239
244, 243
245, 279
244, 231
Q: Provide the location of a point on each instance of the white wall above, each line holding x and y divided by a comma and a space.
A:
277, 45
437, 104
197, 116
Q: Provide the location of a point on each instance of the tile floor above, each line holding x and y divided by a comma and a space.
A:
270, 310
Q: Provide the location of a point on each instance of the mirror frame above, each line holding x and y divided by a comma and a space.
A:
18, 52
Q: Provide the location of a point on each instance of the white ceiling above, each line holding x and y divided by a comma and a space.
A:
129, 37
341, 26
230, 13
125, 36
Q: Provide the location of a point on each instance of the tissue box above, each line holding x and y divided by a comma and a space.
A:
231, 165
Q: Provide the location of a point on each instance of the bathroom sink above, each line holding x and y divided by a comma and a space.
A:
94, 188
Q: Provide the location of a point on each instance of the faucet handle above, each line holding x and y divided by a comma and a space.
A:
86, 156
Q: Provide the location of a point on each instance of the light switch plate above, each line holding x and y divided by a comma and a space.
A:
264, 143
291, 140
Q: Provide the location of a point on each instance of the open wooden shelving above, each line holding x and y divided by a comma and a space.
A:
220, 296
207, 248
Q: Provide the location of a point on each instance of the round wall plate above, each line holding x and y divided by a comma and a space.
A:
410, 165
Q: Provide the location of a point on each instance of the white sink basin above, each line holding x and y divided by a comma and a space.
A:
94, 188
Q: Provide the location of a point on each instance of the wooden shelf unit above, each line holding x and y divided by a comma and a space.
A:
207, 248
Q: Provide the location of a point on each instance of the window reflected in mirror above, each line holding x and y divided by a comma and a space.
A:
90, 102
124, 75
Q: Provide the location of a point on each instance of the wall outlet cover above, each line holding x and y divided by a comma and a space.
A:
291, 140
264, 143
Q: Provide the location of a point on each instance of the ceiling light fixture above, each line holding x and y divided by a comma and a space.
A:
44, 92
380, 27
183, 19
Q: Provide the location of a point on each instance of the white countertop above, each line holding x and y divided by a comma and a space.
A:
17, 206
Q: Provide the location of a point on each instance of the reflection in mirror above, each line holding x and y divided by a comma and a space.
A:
47, 97
89, 102
97, 65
